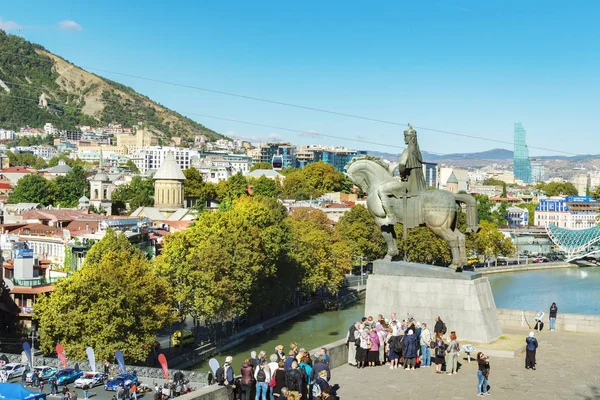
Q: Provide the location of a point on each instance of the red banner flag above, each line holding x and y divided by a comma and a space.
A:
62, 356
163, 363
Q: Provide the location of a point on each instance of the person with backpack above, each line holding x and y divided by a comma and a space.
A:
306, 368
294, 380
224, 377
351, 343
440, 352
320, 385
363, 349
262, 376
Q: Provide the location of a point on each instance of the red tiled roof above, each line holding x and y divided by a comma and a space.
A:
23, 170
36, 229
59, 215
32, 290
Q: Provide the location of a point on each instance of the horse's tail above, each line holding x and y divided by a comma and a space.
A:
471, 206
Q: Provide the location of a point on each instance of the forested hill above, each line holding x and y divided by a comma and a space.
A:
74, 96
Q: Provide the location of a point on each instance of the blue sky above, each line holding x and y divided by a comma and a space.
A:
472, 67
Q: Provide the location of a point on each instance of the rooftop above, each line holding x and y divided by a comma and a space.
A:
169, 169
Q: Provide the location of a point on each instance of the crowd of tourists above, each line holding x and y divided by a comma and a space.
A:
292, 375
408, 344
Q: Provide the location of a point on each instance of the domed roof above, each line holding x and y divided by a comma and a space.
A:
100, 176
169, 169
452, 178
84, 199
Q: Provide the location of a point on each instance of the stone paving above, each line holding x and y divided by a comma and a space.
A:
566, 369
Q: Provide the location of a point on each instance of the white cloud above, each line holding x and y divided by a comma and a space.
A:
69, 25
9, 25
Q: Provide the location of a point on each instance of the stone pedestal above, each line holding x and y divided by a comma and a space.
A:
463, 300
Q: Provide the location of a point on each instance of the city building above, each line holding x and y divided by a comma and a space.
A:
339, 157
517, 216
100, 190
169, 198
71, 135
572, 212
521, 163
151, 158
7, 134
279, 154
141, 139
537, 170
61, 169
233, 163
460, 175
431, 172
452, 183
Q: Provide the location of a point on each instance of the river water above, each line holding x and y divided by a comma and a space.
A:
574, 290
310, 331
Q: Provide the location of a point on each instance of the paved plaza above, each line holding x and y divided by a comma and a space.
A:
566, 369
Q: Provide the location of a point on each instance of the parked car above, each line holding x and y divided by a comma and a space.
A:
91, 379
14, 370
68, 375
123, 379
43, 372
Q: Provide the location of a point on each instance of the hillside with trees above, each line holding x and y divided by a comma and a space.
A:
74, 96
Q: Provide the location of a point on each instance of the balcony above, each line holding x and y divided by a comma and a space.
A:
36, 281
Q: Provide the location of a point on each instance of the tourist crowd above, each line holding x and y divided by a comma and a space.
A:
408, 344
288, 376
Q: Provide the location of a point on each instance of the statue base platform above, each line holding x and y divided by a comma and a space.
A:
463, 300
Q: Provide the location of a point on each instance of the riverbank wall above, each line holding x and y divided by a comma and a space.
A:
338, 356
526, 267
581, 323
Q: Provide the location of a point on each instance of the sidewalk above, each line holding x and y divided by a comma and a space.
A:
566, 369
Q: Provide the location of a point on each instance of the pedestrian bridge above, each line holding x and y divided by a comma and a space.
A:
575, 243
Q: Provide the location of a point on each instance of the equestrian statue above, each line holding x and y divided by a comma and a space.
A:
408, 201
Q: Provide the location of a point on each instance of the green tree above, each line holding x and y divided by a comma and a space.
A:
114, 302
423, 246
237, 185
492, 243
530, 207
504, 194
500, 214
261, 165
484, 208
25, 160
138, 193
314, 180
493, 182
194, 186
32, 189
321, 255
228, 261
264, 186
132, 167
68, 189
357, 227
558, 188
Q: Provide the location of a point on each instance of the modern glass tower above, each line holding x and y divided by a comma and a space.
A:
521, 164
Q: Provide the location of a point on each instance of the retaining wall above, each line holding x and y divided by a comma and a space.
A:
338, 356
582, 323
524, 267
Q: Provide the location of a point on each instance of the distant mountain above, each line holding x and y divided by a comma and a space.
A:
494, 154
72, 96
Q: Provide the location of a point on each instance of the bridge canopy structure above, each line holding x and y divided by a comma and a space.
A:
575, 243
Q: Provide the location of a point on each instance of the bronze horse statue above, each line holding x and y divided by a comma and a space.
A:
436, 209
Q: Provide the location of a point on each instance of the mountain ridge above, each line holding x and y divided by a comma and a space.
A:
75, 96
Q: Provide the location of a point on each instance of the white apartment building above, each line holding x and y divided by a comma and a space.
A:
569, 213
7, 135
50, 129
152, 157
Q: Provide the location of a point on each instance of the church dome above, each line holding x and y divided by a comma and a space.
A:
169, 169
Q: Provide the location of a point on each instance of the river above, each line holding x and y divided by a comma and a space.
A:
574, 290
310, 331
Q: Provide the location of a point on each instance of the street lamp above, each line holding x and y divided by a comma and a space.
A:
34, 335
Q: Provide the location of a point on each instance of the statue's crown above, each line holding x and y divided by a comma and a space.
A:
410, 130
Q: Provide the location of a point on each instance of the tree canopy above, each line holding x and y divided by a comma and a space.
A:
25, 159
314, 180
261, 165
114, 302
490, 242
558, 188
32, 189
358, 228
138, 193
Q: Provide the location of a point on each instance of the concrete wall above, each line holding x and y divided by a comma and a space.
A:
564, 322
338, 354
524, 267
